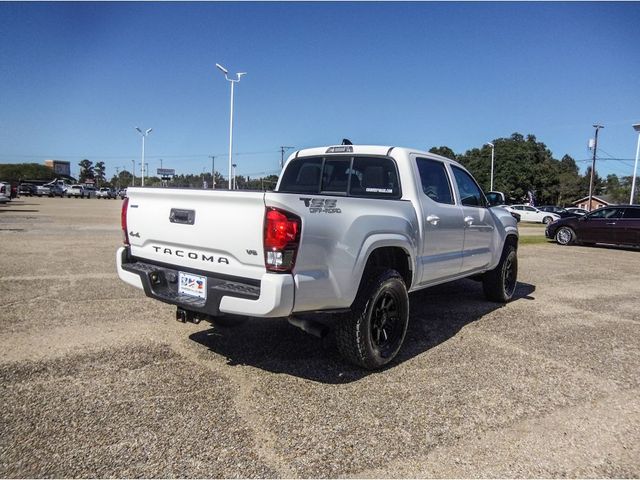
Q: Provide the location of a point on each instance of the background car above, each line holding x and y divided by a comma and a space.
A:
89, 191
577, 211
27, 190
43, 191
5, 192
618, 225
563, 212
531, 214
75, 191
106, 192
56, 190
122, 193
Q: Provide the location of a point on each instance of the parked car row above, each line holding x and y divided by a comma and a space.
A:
618, 225
75, 191
531, 214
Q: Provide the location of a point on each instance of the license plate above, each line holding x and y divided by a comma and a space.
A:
194, 285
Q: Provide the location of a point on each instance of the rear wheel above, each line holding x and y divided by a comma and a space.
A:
500, 283
547, 220
565, 236
371, 334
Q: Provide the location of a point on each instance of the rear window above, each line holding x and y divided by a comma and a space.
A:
342, 175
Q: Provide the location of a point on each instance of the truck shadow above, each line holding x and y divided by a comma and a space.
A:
437, 314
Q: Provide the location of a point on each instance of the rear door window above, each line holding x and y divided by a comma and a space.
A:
434, 180
632, 213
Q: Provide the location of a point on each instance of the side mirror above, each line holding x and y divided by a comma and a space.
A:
495, 198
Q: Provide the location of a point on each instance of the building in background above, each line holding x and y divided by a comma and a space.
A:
59, 167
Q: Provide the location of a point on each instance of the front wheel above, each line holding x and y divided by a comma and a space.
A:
371, 334
500, 283
565, 236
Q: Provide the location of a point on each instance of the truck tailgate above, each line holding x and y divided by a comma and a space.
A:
215, 231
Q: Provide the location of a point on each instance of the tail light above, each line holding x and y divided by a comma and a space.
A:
281, 239
123, 221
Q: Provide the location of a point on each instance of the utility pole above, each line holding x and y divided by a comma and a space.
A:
282, 150
213, 171
133, 173
593, 164
117, 178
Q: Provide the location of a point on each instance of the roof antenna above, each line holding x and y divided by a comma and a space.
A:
346, 141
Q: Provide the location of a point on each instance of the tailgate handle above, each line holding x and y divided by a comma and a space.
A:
186, 217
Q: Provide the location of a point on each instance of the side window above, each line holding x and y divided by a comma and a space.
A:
606, 213
374, 177
530, 209
470, 193
302, 176
435, 181
632, 213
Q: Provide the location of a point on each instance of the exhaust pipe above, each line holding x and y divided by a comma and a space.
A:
312, 327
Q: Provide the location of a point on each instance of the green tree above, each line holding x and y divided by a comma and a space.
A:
443, 151
569, 181
99, 171
86, 170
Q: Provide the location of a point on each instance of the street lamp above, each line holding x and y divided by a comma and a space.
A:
232, 81
493, 151
636, 127
234, 176
144, 135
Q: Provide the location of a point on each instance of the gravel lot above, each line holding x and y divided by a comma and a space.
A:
99, 381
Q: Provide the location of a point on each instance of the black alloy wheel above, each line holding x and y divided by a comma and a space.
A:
386, 326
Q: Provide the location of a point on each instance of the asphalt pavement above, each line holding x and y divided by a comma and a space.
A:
96, 380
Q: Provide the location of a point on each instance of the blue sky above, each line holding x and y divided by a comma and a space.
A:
76, 78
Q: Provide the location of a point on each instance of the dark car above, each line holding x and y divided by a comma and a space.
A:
27, 190
618, 224
563, 212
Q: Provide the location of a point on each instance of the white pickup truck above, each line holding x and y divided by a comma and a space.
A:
349, 231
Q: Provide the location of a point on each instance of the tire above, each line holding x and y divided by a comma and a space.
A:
371, 334
565, 236
499, 284
547, 220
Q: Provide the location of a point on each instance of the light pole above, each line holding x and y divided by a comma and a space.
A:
234, 175
232, 81
143, 135
282, 150
133, 173
636, 127
593, 165
493, 151
213, 171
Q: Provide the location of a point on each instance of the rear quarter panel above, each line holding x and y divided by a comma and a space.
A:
334, 247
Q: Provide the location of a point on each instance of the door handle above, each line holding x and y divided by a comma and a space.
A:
433, 220
611, 223
468, 221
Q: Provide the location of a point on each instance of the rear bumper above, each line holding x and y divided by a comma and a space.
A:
271, 296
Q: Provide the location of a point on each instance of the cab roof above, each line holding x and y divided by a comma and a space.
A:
383, 150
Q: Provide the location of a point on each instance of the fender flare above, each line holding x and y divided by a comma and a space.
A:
380, 240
